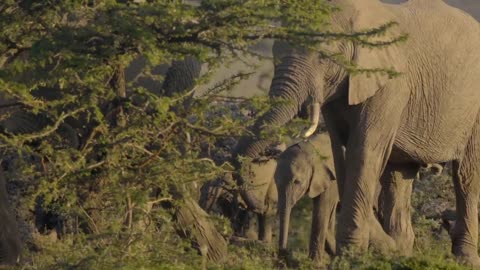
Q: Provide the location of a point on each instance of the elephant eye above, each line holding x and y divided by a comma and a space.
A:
297, 182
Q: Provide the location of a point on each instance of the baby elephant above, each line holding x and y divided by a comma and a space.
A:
307, 168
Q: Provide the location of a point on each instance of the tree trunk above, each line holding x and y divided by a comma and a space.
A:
193, 222
119, 84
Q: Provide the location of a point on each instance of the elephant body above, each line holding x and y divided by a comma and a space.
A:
384, 126
307, 169
394, 124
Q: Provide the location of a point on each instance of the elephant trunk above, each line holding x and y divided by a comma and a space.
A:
294, 82
251, 200
284, 210
251, 147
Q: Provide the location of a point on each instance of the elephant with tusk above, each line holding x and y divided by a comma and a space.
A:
383, 126
314, 118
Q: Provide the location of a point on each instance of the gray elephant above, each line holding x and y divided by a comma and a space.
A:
221, 196
377, 121
261, 177
306, 169
258, 182
227, 199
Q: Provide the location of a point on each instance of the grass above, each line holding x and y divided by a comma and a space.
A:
432, 195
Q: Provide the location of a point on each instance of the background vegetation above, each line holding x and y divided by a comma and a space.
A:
108, 200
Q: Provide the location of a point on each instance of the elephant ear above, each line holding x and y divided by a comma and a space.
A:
364, 85
322, 178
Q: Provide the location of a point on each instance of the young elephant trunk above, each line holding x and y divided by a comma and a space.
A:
284, 213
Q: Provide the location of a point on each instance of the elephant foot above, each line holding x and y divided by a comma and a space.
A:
464, 247
9, 262
266, 242
10, 250
379, 239
372, 236
470, 259
352, 241
286, 258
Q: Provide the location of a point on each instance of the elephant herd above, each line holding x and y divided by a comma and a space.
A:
382, 127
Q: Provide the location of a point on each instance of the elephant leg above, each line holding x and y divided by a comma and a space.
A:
331, 244
368, 149
267, 219
394, 204
332, 121
250, 230
265, 227
10, 245
322, 236
467, 188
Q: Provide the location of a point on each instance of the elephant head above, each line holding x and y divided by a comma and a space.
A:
257, 178
303, 169
304, 78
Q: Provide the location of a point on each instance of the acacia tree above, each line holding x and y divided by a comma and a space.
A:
109, 154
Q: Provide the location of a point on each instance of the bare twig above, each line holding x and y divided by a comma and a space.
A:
94, 225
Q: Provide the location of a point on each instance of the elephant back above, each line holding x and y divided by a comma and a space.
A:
23, 122
181, 76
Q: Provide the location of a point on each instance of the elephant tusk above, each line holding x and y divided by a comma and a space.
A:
314, 119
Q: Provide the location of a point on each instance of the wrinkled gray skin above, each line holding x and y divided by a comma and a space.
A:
400, 122
181, 76
259, 183
306, 169
221, 196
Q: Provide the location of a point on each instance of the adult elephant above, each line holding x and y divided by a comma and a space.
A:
396, 122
